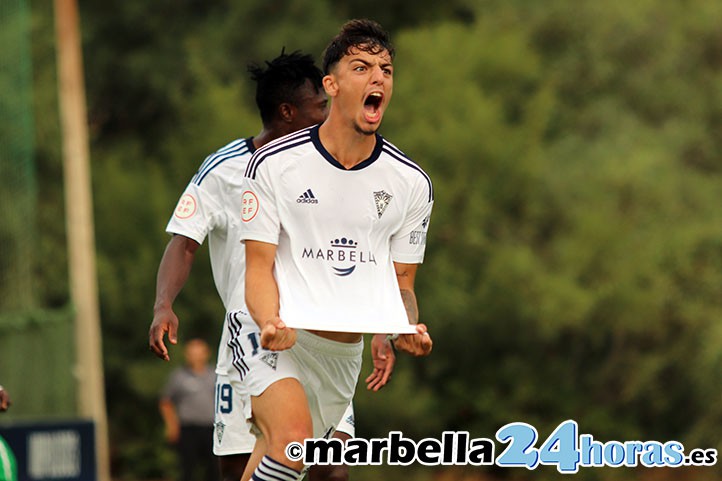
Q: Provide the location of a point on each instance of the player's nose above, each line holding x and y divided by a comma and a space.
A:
377, 75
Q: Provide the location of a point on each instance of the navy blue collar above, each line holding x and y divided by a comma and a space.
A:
249, 144
331, 160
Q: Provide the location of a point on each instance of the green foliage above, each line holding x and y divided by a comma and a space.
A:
574, 259
37, 349
573, 234
17, 193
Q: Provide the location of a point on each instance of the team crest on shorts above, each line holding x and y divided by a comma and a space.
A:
270, 358
382, 200
220, 427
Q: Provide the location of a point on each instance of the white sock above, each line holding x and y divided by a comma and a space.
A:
271, 470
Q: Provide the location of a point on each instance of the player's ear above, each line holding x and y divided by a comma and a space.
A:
287, 112
330, 85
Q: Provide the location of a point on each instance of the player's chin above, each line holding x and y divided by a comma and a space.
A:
367, 130
368, 126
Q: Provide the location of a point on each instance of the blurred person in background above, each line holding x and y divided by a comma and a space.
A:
186, 406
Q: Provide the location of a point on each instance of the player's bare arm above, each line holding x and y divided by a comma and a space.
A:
173, 271
384, 359
419, 344
262, 296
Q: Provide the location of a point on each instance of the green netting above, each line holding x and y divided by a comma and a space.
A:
37, 355
36, 345
17, 182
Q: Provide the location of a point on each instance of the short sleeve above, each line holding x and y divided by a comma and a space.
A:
259, 210
197, 210
408, 243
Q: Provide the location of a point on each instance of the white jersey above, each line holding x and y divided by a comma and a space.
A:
206, 210
338, 231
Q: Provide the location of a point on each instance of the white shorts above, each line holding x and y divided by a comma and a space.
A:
347, 424
328, 370
231, 433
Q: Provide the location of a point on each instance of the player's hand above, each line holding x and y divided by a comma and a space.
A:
384, 359
418, 344
164, 321
276, 336
4, 400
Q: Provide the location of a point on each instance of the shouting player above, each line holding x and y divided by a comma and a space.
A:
334, 224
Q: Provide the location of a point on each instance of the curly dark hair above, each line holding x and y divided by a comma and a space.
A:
363, 34
278, 81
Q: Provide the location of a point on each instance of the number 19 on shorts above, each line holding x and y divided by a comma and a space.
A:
224, 398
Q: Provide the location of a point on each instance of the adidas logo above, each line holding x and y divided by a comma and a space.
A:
307, 198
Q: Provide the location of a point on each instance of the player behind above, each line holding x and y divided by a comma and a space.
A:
334, 222
289, 97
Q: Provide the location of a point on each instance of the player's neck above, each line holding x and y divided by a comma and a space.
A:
345, 144
275, 130
265, 136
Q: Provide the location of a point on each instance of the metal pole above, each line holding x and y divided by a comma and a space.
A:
80, 229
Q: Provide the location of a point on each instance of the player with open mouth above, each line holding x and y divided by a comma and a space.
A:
369, 72
306, 313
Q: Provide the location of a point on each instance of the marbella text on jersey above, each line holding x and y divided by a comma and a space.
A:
344, 250
338, 255
341, 250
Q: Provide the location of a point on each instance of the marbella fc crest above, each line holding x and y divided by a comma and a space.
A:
382, 200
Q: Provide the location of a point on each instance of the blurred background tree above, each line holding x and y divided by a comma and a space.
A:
574, 260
